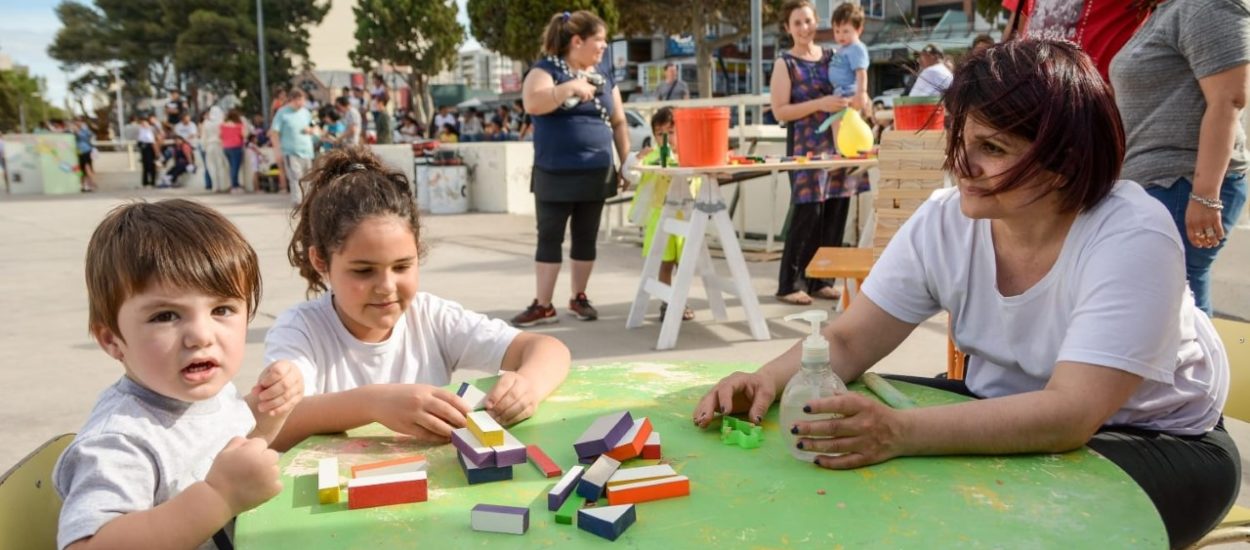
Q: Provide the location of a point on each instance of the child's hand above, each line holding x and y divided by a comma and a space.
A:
512, 399
642, 153
278, 389
420, 410
832, 103
245, 474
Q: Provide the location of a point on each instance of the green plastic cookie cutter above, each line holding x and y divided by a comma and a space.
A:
741, 433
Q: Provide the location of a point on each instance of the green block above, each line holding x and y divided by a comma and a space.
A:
569, 509
741, 433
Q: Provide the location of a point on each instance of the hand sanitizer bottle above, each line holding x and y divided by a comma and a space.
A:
814, 380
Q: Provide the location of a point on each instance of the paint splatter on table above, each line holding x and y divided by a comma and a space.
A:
739, 498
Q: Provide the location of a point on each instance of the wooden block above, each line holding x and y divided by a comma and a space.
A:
651, 451
328, 480
926, 154
632, 442
469, 447
902, 194
625, 476
560, 492
540, 460
596, 478
935, 182
569, 509
607, 521
646, 491
511, 453
603, 434
921, 174
480, 474
367, 492
485, 429
897, 215
414, 463
473, 397
491, 518
588, 460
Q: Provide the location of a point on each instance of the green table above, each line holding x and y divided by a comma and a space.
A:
759, 498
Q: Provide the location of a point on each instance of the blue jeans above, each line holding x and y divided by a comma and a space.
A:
1198, 260
234, 155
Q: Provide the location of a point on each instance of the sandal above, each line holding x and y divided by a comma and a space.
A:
798, 298
828, 293
687, 314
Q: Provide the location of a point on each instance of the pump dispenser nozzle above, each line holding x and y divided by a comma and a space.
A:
815, 347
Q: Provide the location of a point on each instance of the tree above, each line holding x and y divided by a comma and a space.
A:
192, 44
514, 27
699, 18
19, 91
420, 35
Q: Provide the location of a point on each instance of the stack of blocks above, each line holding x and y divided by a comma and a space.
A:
911, 169
487, 452
397, 481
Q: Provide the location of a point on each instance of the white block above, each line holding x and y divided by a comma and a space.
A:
633, 475
500, 519
327, 473
475, 398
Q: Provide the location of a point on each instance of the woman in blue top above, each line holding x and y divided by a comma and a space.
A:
577, 116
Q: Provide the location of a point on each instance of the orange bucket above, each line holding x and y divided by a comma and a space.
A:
702, 136
918, 114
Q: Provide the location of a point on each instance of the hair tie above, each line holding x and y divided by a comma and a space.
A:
565, 17
356, 167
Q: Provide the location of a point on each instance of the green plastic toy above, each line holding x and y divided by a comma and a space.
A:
741, 433
569, 509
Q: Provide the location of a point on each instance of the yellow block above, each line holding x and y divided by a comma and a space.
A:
329, 495
485, 429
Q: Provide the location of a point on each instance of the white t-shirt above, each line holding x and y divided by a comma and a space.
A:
355, 125
432, 339
934, 80
1116, 297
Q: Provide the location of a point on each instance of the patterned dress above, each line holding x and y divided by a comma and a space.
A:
810, 80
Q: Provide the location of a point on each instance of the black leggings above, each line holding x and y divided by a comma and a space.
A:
582, 219
147, 154
812, 226
1192, 480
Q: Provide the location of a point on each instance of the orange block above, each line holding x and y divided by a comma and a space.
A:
646, 491
407, 464
631, 445
367, 492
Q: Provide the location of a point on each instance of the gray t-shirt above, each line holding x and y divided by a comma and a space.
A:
676, 90
139, 449
1156, 75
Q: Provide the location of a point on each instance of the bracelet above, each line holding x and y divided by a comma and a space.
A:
1214, 204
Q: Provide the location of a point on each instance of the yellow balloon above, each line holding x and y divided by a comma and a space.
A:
854, 136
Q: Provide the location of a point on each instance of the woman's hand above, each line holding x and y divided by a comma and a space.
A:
425, 412
868, 432
738, 392
579, 88
512, 400
1204, 226
832, 103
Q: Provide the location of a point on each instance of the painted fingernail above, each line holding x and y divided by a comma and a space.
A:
794, 430
807, 408
800, 445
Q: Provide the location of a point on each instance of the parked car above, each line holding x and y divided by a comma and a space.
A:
639, 128
886, 99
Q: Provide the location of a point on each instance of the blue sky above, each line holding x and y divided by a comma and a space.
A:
27, 27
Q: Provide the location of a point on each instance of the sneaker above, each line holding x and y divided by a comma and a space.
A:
580, 306
536, 315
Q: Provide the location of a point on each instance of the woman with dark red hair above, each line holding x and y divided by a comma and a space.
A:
1065, 286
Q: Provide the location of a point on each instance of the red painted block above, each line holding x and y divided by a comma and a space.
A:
543, 462
651, 451
367, 492
646, 491
631, 445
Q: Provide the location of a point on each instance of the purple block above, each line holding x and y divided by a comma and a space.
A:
472, 449
604, 434
479, 474
511, 453
501, 519
563, 488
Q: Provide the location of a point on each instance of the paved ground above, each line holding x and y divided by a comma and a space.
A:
54, 371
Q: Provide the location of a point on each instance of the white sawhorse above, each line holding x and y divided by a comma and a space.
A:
708, 208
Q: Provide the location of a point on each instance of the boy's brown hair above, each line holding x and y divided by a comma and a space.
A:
176, 242
849, 13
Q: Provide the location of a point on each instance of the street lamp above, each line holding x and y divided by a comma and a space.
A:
260, 45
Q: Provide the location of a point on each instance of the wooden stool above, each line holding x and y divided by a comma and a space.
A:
831, 262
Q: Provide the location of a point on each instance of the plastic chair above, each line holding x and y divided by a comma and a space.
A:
29, 505
1235, 527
